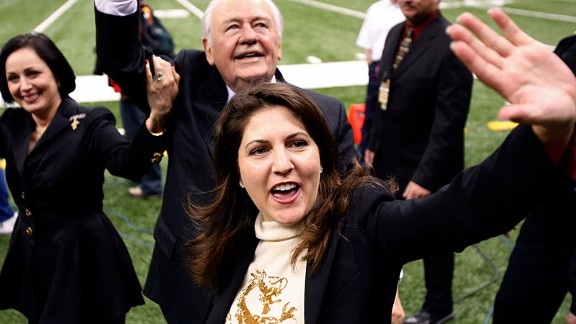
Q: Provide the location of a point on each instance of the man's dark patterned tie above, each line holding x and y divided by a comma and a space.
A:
402, 51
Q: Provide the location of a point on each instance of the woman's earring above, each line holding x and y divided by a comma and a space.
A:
321, 169
241, 185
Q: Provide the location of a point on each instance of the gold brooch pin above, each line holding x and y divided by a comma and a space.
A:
75, 120
75, 124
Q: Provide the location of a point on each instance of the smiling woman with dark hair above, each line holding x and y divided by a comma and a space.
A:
66, 262
289, 239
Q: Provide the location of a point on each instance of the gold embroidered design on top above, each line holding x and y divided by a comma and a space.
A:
269, 290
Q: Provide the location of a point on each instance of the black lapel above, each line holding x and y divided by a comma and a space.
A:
421, 46
279, 76
21, 140
389, 51
225, 298
212, 97
316, 284
60, 121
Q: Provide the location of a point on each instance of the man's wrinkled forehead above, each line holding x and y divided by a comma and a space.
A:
220, 11
239, 19
242, 10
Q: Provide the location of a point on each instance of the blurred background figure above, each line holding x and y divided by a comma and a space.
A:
7, 215
380, 17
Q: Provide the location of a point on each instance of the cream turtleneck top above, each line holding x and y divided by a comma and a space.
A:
272, 289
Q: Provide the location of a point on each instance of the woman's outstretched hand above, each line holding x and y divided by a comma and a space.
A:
540, 88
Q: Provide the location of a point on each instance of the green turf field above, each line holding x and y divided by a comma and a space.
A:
328, 33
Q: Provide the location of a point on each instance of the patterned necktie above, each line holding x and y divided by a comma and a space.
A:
384, 89
404, 48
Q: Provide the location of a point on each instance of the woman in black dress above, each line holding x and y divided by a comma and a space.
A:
66, 262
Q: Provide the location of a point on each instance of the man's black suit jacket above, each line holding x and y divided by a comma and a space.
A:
420, 136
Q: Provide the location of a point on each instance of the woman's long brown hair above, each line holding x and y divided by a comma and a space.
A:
229, 220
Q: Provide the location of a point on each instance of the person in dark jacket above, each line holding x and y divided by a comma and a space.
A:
290, 239
66, 263
418, 133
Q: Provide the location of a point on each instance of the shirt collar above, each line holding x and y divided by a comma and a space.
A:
420, 27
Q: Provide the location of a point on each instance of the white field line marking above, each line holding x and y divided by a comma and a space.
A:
54, 16
333, 8
450, 4
361, 15
473, 4
171, 13
541, 15
192, 8
466, 3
